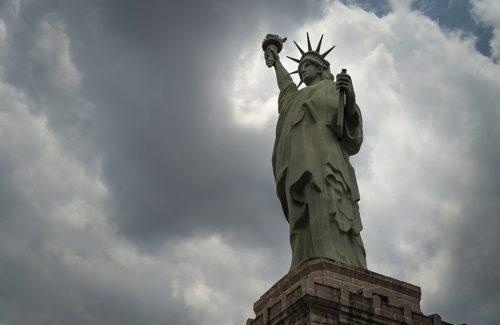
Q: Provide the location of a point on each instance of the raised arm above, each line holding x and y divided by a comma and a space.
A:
282, 76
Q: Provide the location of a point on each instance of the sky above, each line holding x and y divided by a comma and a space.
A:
136, 184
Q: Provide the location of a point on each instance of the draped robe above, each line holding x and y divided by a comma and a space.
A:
315, 181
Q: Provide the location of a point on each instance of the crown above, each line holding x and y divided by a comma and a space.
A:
310, 53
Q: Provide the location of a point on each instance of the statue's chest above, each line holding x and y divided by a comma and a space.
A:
315, 104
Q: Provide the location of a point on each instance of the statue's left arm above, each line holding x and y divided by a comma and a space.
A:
353, 123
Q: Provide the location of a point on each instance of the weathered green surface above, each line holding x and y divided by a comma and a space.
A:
315, 181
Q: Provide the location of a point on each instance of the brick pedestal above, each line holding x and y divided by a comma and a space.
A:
322, 291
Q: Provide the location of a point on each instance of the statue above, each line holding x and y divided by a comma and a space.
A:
319, 127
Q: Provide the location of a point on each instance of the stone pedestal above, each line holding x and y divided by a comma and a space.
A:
323, 291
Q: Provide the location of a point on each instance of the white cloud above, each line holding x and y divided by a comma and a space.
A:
253, 89
420, 89
488, 12
219, 282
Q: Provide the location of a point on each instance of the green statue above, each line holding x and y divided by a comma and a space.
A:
319, 127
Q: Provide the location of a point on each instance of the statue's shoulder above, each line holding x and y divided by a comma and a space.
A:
329, 82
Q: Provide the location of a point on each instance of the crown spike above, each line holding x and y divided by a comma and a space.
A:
319, 44
301, 51
309, 47
293, 59
326, 53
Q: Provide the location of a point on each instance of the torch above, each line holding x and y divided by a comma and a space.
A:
272, 41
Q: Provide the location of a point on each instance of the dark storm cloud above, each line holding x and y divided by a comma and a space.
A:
150, 106
153, 72
39, 287
151, 75
163, 166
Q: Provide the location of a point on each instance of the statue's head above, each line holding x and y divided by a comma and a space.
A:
311, 69
312, 64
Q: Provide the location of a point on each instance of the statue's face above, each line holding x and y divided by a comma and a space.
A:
309, 72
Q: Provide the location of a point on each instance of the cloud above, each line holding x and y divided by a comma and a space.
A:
253, 92
488, 13
60, 258
211, 275
135, 177
428, 99
435, 94
94, 184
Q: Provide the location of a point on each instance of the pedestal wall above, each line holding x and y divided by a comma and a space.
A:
323, 291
